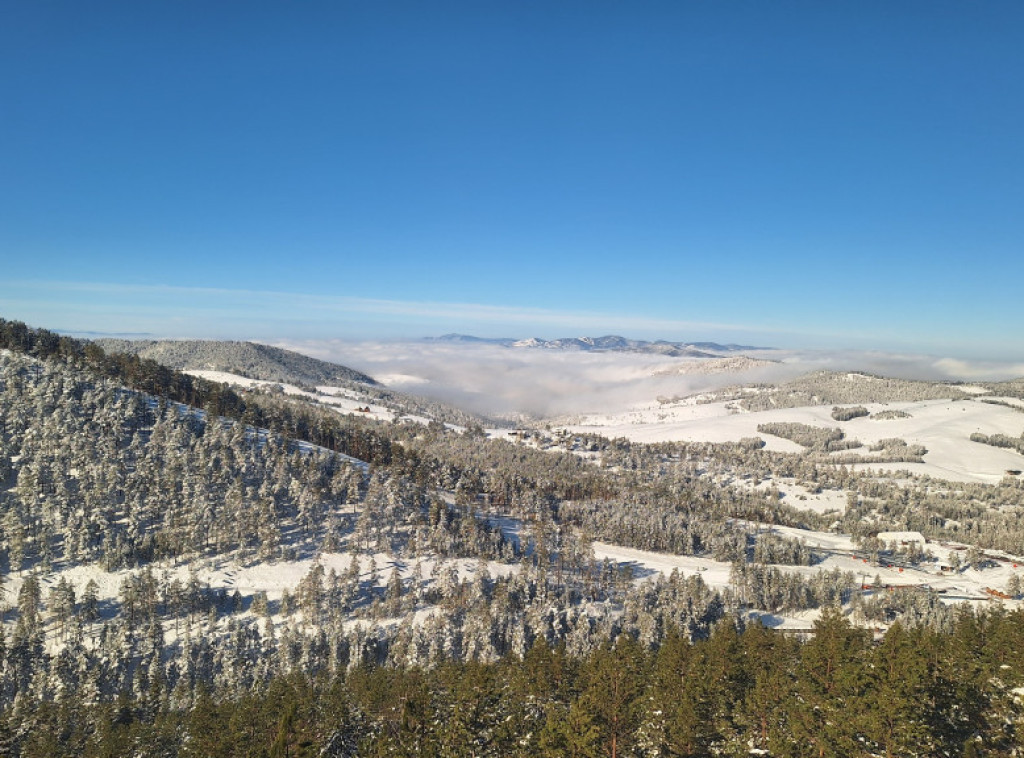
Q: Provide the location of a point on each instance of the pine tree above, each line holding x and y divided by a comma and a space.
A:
678, 692
768, 659
897, 717
571, 733
613, 684
826, 709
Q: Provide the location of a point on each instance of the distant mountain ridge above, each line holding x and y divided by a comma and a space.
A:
251, 359
609, 343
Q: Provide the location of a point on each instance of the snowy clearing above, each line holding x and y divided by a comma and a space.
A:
340, 399
944, 427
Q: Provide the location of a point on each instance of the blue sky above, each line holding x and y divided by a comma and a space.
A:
808, 174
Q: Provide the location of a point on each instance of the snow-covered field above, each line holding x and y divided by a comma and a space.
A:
944, 427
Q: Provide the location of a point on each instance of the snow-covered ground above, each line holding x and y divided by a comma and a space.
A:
272, 578
801, 498
340, 399
714, 573
964, 585
944, 427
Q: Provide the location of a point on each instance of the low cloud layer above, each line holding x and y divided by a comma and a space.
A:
497, 380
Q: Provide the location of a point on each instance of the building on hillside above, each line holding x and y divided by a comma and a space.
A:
904, 539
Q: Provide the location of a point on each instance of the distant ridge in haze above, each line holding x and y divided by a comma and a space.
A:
609, 343
251, 359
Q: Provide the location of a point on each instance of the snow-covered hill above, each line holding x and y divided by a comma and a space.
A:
943, 427
250, 359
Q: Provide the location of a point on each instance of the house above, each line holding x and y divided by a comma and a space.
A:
902, 538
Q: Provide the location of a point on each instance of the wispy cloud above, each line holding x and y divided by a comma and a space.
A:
118, 307
267, 315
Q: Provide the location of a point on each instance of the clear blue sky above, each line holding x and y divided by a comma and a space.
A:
804, 174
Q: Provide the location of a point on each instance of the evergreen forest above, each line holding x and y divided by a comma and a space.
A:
447, 598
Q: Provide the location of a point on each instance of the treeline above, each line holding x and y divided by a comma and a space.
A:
839, 388
812, 437
250, 359
1000, 440
740, 691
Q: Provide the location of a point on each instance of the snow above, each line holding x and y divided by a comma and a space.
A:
339, 398
799, 497
272, 578
511, 528
800, 621
971, 389
840, 553
714, 573
902, 537
943, 427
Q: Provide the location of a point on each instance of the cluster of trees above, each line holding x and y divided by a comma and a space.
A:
889, 415
117, 477
849, 413
817, 438
742, 689
1004, 403
1000, 440
914, 607
983, 515
892, 445
892, 449
1011, 388
770, 547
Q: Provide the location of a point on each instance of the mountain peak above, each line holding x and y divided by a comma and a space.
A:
609, 343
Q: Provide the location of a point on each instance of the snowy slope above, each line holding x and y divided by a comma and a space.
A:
944, 427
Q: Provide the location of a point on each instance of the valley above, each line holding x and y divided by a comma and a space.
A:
207, 541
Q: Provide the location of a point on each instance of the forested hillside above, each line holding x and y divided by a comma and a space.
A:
193, 571
832, 387
754, 692
266, 363
250, 359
